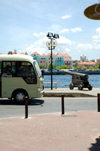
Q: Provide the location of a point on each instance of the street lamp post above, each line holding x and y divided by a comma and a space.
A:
51, 45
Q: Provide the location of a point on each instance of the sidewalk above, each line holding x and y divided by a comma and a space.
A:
71, 93
76, 131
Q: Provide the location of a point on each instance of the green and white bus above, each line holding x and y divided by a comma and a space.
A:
20, 77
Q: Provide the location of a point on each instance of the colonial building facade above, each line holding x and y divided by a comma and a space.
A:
57, 59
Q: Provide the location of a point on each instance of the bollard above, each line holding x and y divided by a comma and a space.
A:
62, 104
26, 107
98, 102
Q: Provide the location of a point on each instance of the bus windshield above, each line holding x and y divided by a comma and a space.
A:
37, 69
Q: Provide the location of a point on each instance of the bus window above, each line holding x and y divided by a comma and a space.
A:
14, 70
25, 70
38, 69
7, 69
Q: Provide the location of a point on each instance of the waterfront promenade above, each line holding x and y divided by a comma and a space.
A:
71, 93
76, 131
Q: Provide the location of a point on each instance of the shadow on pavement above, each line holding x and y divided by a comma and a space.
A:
95, 146
31, 102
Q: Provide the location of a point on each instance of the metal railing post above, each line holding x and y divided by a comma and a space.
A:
26, 107
62, 104
98, 102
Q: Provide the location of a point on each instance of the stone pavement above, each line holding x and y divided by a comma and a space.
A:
71, 93
76, 131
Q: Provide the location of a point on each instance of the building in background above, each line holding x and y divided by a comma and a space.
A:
43, 61
59, 60
63, 59
87, 64
49, 59
36, 56
98, 61
83, 58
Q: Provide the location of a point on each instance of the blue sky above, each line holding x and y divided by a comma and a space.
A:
24, 25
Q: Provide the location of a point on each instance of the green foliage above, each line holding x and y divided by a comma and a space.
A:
42, 67
63, 67
84, 67
76, 67
97, 66
91, 67
49, 67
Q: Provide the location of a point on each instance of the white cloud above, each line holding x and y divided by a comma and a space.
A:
63, 45
66, 16
77, 29
87, 46
67, 49
96, 46
98, 30
39, 46
64, 30
73, 30
64, 41
96, 37
55, 28
38, 34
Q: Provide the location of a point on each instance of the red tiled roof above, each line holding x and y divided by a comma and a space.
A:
22, 53
62, 55
43, 54
35, 53
86, 63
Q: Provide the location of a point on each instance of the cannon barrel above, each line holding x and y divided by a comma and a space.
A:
77, 74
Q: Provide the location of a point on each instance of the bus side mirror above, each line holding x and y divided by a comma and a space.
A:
42, 73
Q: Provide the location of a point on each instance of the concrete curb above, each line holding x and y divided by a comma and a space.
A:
59, 94
71, 93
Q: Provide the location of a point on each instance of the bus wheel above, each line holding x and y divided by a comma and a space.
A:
19, 96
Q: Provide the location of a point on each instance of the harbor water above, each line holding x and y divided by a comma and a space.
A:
63, 81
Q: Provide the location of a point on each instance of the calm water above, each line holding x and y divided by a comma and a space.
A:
63, 81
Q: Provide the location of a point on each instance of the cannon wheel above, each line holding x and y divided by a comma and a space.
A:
80, 87
89, 87
71, 86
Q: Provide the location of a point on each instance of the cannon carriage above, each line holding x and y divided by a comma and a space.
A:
79, 80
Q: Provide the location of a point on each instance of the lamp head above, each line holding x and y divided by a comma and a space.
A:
49, 35
56, 36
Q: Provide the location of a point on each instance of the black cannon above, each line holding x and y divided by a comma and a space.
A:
79, 80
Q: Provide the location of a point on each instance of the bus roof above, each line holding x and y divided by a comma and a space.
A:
16, 57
